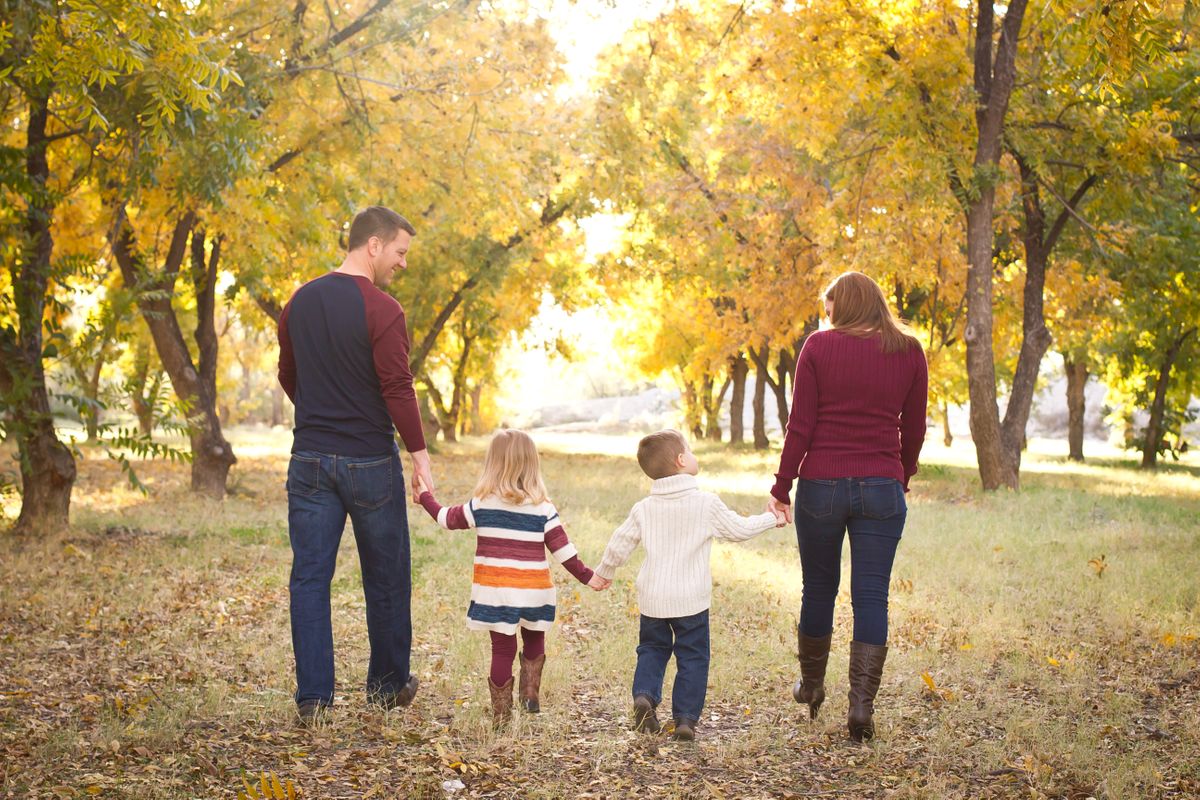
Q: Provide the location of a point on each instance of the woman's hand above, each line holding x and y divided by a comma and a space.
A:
782, 511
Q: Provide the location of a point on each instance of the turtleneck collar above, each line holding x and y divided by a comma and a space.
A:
675, 485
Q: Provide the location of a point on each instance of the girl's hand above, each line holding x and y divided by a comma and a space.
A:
422, 487
598, 583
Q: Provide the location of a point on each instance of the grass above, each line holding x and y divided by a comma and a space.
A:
146, 654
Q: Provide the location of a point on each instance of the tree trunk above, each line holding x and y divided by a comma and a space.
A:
739, 370
46, 464
1154, 427
441, 414
143, 390
993, 87
760, 406
429, 420
712, 407
1077, 376
783, 369
692, 412
212, 455
477, 409
947, 437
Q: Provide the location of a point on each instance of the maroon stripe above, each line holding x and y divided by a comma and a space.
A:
557, 539
496, 547
456, 519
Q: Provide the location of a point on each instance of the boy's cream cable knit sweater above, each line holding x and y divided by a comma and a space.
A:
677, 524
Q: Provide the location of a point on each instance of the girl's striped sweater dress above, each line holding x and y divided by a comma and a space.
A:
512, 586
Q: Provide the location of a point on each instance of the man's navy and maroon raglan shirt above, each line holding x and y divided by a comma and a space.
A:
343, 360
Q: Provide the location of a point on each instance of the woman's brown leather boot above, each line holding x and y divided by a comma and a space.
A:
502, 701
814, 656
531, 682
866, 670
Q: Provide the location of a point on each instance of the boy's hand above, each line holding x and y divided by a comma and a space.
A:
598, 583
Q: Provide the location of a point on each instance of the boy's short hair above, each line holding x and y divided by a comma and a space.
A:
658, 452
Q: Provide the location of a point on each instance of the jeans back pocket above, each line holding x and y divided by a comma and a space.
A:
816, 496
371, 483
303, 475
882, 498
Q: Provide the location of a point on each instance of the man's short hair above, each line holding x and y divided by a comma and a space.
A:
658, 453
377, 221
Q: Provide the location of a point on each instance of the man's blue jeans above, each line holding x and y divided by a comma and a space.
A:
873, 510
687, 637
322, 489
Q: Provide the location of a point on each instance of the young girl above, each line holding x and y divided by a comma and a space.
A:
515, 524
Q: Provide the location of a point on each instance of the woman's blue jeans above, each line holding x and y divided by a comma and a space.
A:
322, 490
873, 510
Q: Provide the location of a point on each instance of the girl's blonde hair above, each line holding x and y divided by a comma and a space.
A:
860, 309
512, 470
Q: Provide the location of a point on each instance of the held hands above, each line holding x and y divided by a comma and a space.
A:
782, 511
598, 583
422, 474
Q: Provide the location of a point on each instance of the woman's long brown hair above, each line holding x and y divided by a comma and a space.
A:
860, 309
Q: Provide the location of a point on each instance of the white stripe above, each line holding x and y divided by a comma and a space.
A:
467, 511
518, 598
504, 627
512, 562
565, 552
516, 536
442, 515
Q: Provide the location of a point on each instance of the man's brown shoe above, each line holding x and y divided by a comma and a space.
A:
644, 718
685, 730
389, 700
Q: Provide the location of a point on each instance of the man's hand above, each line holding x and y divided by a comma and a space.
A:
782, 511
598, 583
422, 473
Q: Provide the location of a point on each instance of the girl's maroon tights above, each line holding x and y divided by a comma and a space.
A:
504, 650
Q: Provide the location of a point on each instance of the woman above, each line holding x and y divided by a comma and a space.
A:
853, 437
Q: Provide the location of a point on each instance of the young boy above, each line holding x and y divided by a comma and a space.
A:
676, 524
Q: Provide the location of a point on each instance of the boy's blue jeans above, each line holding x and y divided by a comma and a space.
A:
873, 510
687, 637
322, 489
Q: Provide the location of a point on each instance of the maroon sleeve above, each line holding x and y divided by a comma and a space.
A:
578, 569
456, 518
556, 540
800, 422
912, 417
389, 349
287, 358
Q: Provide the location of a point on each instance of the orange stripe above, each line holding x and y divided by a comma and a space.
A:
513, 578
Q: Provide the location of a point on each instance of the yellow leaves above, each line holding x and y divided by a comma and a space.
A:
933, 691
1098, 565
1169, 639
269, 787
72, 551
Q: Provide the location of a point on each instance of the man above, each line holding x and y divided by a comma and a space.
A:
343, 360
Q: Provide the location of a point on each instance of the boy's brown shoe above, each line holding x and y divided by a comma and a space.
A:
644, 718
